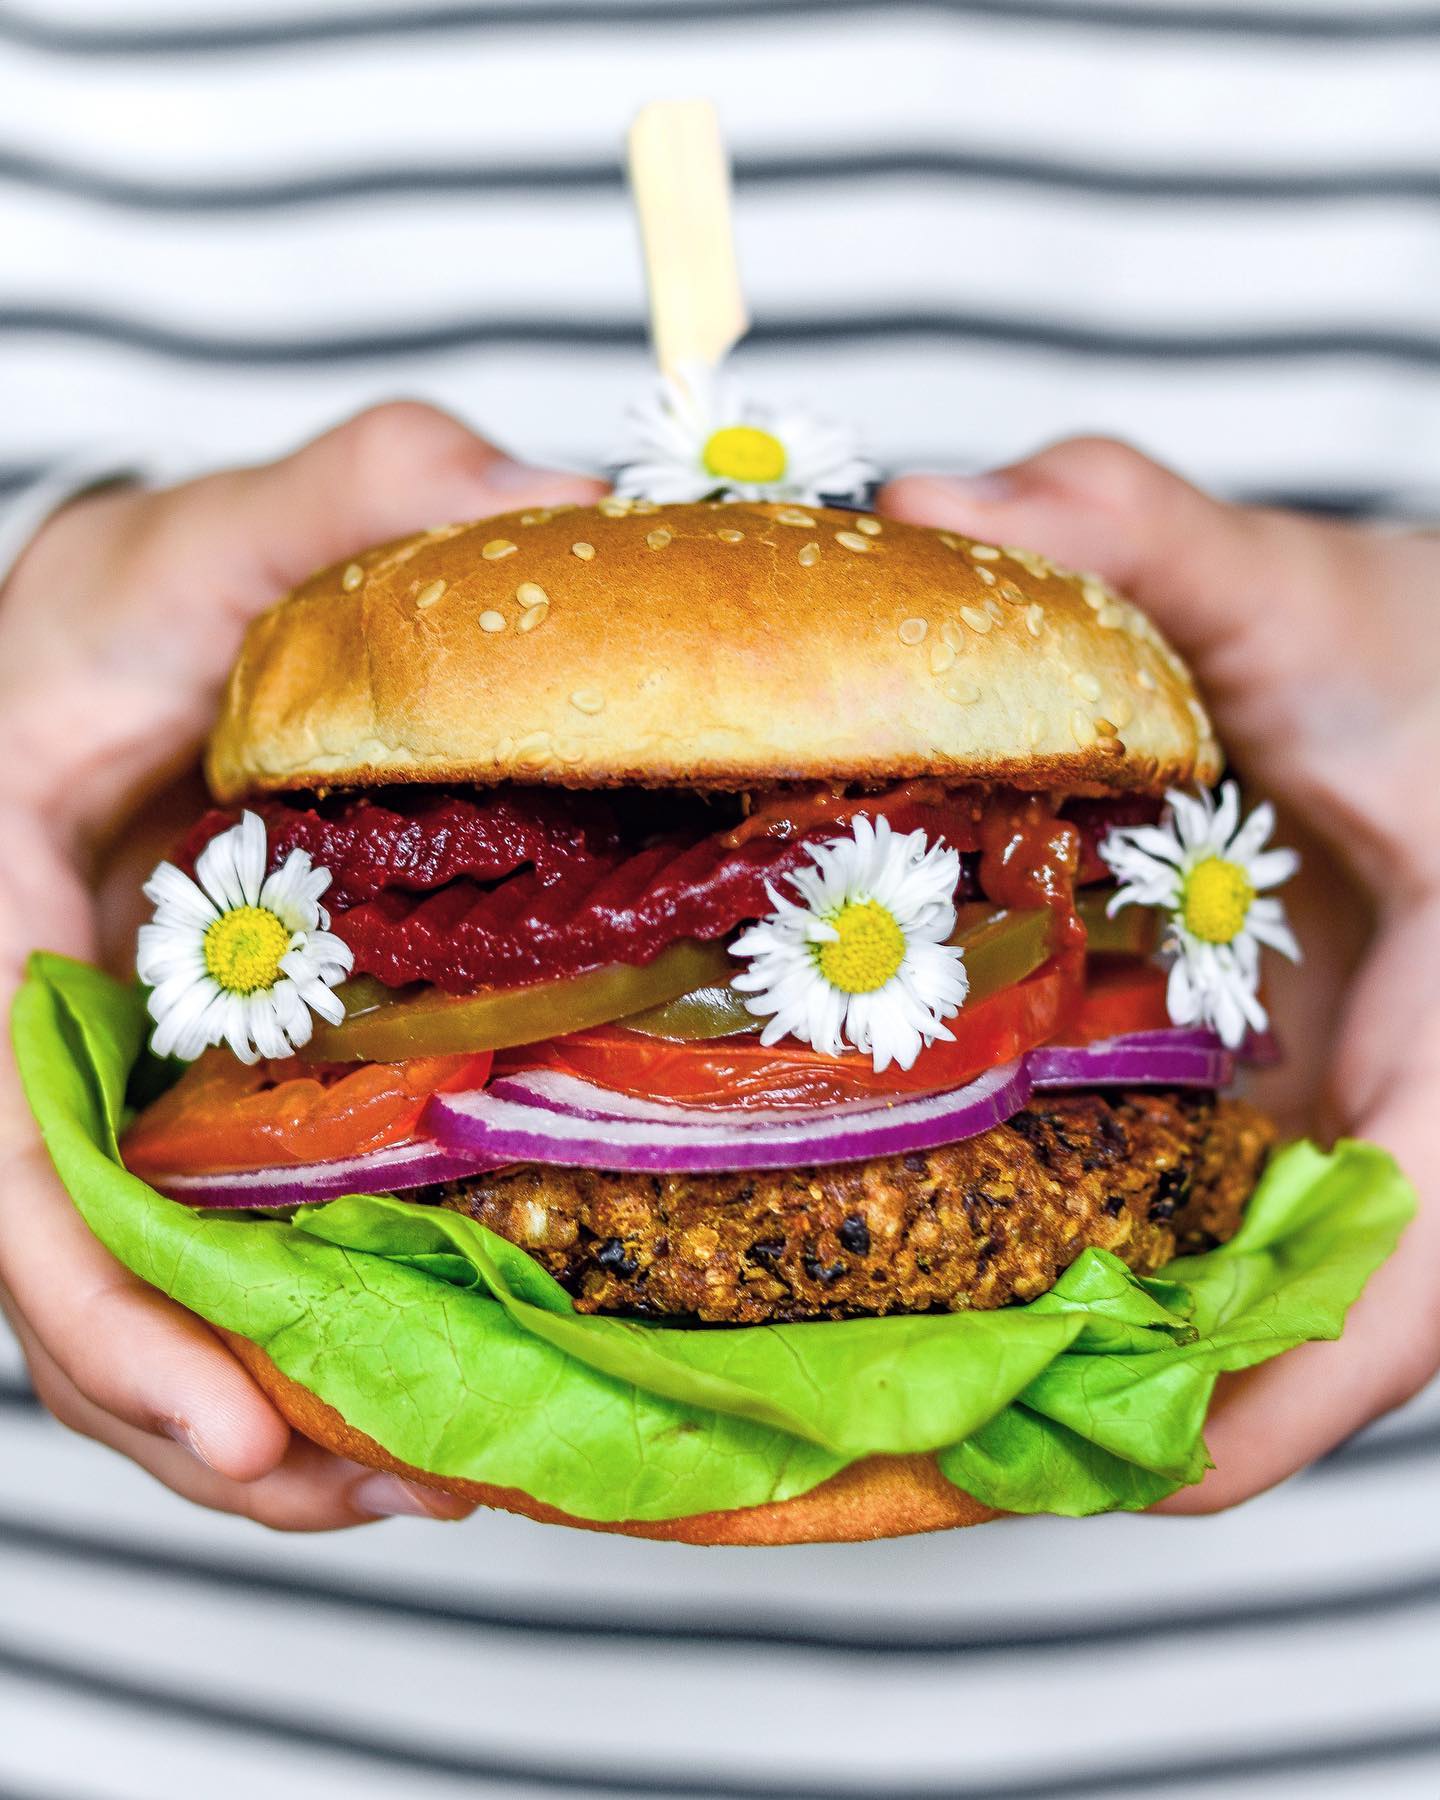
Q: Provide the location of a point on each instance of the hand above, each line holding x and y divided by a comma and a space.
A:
1317, 646
117, 629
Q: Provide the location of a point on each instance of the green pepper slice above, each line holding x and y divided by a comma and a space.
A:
393, 1024
1134, 931
1000, 948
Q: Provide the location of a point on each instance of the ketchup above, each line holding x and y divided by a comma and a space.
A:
1030, 858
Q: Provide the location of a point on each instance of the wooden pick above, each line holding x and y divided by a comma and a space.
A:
680, 178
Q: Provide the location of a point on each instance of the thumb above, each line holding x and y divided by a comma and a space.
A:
128, 609
1227, 584
386, 473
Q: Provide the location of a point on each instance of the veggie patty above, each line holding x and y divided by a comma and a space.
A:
1148, 1175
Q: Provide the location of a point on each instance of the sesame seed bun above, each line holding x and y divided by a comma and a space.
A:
712, 645
880, 1497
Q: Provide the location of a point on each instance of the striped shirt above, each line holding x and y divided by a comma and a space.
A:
1210, 226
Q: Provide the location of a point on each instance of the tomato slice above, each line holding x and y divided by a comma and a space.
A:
223, 1115
1121, 994
740, 1072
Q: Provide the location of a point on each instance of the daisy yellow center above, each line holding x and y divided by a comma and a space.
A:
867, 951
744, 453
1216, 900
243, 949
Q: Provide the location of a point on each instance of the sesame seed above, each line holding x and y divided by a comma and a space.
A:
942, 657
962, 692
792, 515
809, 556
534, 615
1093, 593
1110, 615
992, 606
530, 593
498, 547
1032, 562
1034, 619
952, 635
975, 619
569, 749
1122, 712
1081, 729
492, 621
429, 594
613, 506
644, 508
535, 518
1034, 728
1010, 593
1144, 679
659, 538
985, 553
987, 576
852, 540
949, 540
533, 748
912, 631
584, 551
871, 527
1111, 746
727, 534
587, 700
1085, 685
352, 578
1106, 729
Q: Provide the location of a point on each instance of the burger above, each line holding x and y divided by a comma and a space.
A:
717, 1021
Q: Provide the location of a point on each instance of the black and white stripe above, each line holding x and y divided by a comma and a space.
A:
1242, 1654
1016, 230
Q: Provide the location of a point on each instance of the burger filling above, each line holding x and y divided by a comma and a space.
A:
979, 1224
588, 936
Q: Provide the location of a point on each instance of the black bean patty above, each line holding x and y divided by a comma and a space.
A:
1148, 1175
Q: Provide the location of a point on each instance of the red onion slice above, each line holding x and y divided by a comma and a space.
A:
1120, 1062
409, 1165
488, 1128
552, 1091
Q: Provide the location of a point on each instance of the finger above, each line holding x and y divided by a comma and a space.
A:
130, 1352
308, 1489
1277, 1419
386, 473
392, 470
1208, 573
143, 655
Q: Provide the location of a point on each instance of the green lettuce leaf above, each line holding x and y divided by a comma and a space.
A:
458, 1353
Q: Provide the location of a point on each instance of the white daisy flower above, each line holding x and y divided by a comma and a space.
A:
863, 957
237, 956
1210, 872
698, 438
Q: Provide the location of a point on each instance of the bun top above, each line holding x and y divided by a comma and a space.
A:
714, 645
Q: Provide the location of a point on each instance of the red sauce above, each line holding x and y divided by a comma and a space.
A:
802, 811
516, 885
1029, 858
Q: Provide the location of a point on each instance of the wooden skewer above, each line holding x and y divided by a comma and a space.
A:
680, 179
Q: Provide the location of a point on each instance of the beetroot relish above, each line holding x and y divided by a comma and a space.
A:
518, 885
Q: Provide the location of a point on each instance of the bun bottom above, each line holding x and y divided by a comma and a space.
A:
879, 1497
